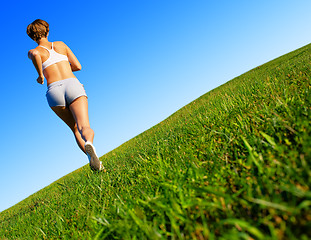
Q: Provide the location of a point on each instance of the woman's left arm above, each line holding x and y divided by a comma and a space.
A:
34, 55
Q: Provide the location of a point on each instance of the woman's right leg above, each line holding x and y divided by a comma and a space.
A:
66, 115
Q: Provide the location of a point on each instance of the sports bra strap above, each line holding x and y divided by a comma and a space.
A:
47, 48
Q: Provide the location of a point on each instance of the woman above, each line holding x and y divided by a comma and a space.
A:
66, 96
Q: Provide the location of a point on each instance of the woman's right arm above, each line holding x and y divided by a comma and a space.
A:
34, 55
74, 62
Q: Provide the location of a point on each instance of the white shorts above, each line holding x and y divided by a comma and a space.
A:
64, 92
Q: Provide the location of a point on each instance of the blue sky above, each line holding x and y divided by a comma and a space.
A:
142, 60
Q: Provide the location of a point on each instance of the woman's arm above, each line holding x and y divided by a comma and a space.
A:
74, 62
34, 55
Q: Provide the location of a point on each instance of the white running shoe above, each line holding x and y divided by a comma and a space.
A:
95, 163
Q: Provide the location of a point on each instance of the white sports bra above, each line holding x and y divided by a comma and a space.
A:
54, 57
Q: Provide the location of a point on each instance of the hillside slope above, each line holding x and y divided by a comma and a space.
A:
233, 164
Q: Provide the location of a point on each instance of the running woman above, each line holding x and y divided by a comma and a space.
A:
55, 62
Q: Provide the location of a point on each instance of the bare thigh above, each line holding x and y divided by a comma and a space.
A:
79, 110
66, 115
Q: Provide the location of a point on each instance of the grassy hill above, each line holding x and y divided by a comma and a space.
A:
233, 164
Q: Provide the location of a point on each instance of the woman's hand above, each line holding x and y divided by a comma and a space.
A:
40, 79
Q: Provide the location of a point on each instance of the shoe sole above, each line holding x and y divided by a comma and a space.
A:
95, 163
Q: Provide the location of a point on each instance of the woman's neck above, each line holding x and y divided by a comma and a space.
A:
43, 41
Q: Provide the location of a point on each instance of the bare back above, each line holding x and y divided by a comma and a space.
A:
60, 70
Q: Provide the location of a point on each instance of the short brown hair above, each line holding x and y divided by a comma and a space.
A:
38, 29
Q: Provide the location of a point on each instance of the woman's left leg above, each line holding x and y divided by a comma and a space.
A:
79, 110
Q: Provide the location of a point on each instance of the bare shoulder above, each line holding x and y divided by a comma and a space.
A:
59, 44
37, 49
33, 52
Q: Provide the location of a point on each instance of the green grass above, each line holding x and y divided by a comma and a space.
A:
233, 164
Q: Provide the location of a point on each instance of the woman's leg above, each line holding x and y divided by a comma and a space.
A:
66, 115
79, 110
